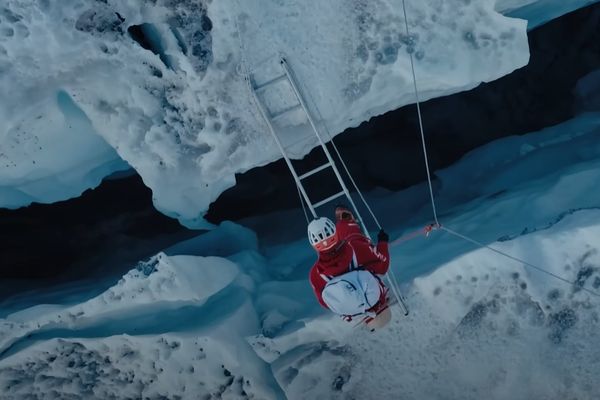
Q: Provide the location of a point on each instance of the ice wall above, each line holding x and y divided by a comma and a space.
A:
162, 83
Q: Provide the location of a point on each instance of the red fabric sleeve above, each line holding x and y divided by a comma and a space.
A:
383, 249
374, 259
318, 284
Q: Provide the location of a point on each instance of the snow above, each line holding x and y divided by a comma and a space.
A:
159, 86
230, 314
226, 314
538, 12
171, 365
50, 151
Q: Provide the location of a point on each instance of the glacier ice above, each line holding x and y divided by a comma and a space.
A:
162, 84
226, 314
244, 320
50, 151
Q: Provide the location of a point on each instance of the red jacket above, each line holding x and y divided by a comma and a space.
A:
339, 261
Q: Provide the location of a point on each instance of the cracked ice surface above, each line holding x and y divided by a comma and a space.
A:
159, 84
161, 280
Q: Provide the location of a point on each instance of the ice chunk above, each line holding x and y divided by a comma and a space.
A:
158, 283
50, 151
162, 83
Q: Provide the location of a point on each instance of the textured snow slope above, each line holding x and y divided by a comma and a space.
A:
244, 323
174, 104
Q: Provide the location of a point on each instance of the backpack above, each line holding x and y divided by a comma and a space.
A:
352, 293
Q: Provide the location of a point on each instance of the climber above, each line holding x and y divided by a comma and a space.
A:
345, 277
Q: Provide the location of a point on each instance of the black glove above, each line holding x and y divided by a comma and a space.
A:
382, 236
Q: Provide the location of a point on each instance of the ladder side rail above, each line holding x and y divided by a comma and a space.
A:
263, 112
327, 154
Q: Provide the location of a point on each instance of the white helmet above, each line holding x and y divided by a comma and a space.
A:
321, 234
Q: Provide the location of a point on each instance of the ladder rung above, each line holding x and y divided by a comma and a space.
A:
269, 82
285, 111
314, 171
329, 199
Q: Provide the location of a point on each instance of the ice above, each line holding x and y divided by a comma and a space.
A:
161, 83
479, 321
157, 284
229, 239
476, 306
94, 88
173, 327
538, 12
230, 313
51, 151
185, 365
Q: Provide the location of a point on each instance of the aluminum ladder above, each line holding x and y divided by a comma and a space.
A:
284, 76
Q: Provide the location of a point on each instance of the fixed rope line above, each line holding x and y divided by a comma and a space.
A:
412, 67
527, 264
419, 232
303, 207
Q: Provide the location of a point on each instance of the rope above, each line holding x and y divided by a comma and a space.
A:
527, 264
412, 67
303, 207
423, 231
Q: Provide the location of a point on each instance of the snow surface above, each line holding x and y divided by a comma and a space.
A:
243, 323
174, 104
49, 150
